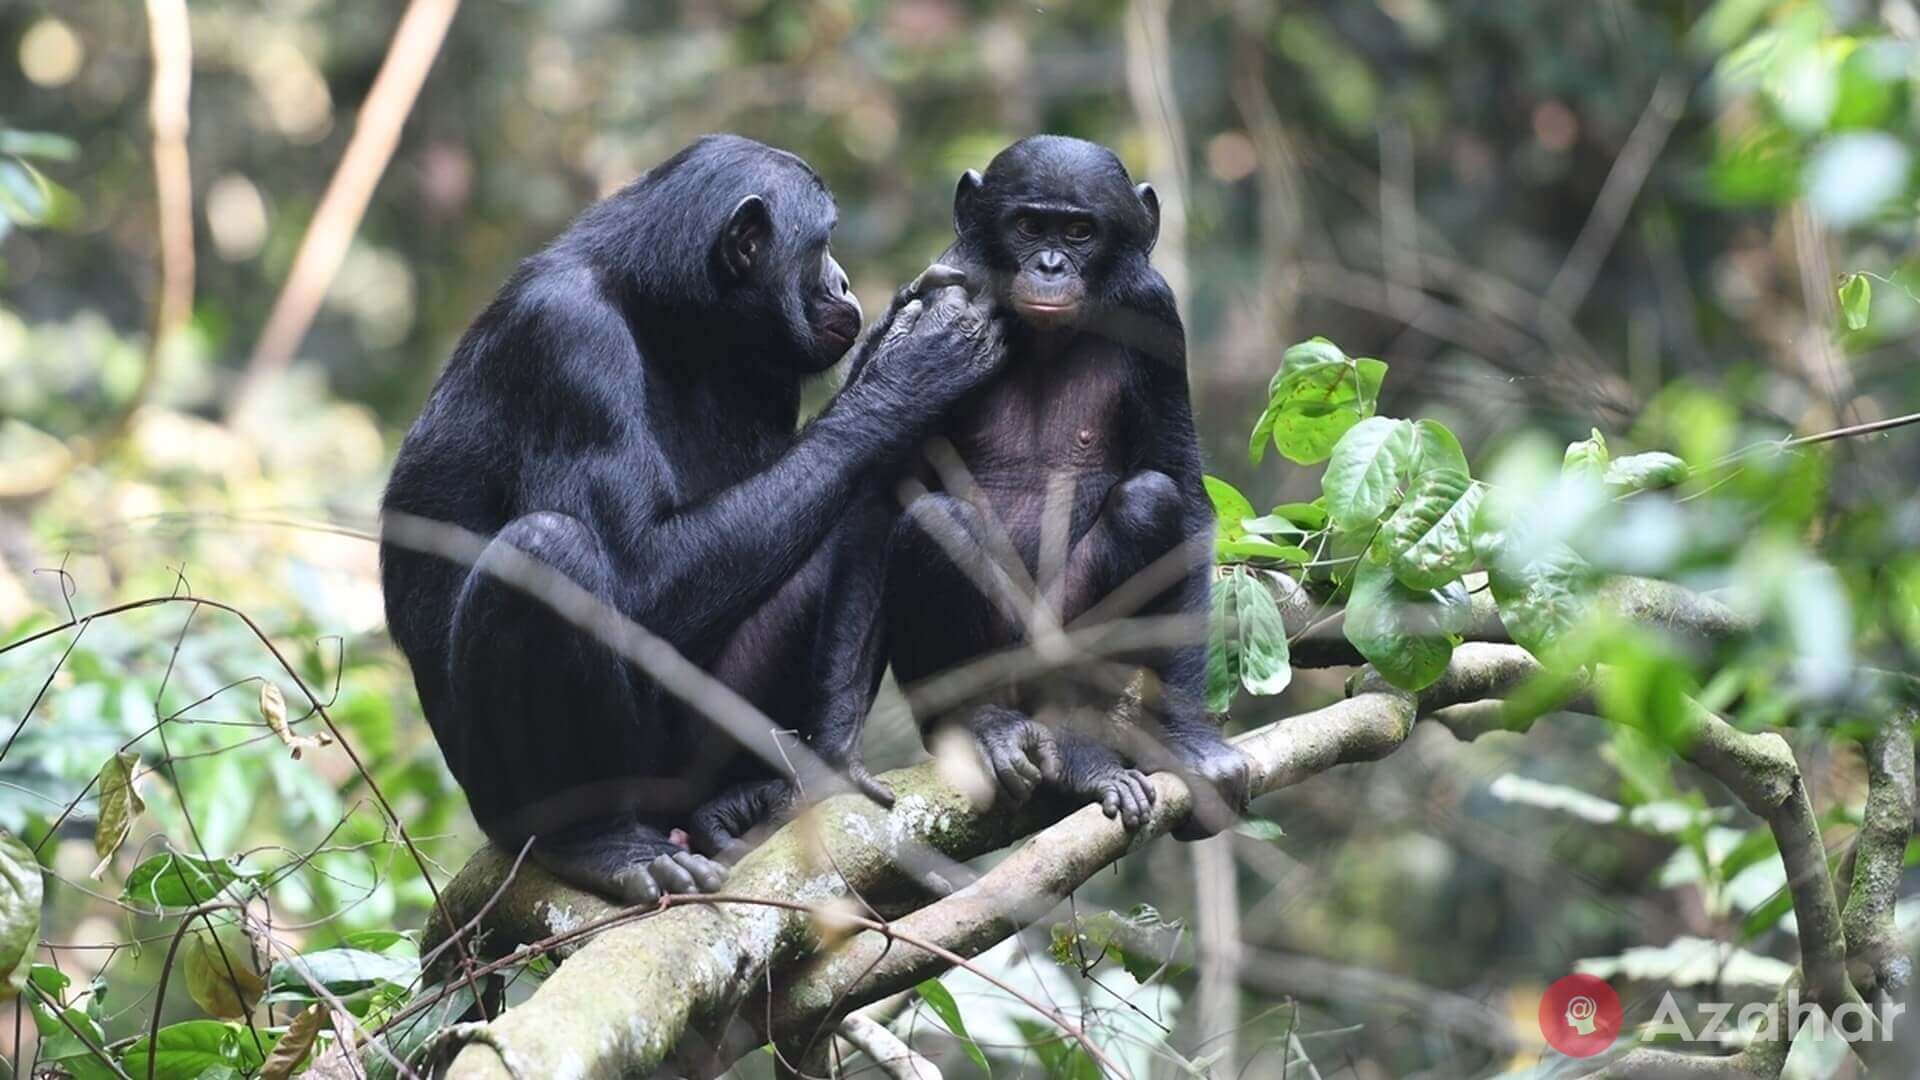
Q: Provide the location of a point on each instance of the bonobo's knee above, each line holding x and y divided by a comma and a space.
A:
1148, 501
558, 540
936, 517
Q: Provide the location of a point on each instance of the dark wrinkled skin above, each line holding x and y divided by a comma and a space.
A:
624, 413
1093, 398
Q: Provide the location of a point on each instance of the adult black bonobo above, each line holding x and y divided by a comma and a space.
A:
1093, 404
623, 413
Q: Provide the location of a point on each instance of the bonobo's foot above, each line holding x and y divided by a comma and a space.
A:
626, 862
1221, 779
734, 822
680, 872
1017, 751
1096, 774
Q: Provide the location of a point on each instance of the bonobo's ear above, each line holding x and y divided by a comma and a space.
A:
963, 197
1151, 200
743, 243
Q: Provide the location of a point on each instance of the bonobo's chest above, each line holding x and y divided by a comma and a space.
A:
1046, 413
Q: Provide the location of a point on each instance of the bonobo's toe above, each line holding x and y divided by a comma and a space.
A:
1128, 796
707, 875
634, 887
671, 876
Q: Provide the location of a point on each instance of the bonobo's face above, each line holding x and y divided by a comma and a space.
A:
1054, 218
774, 255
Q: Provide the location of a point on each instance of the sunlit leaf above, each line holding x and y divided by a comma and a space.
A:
1316, 396
1311, 516
38, 144
1260, 829
119, 805
1244, 548
1365, 471
174, 880
20, 892
1435, 447
1644, 472
1587, 458
1230, 507
1856, 300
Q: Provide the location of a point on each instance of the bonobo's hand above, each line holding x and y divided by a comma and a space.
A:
936, 346
1220, 778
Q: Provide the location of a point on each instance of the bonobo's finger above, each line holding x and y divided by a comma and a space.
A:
1045, 752
947, 303
937, 276
904, 321
1015, 773
1110, 803
707, 874
671, 876
636, 887
869, 785
1136, 800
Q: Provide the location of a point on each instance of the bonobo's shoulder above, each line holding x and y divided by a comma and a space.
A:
559, 297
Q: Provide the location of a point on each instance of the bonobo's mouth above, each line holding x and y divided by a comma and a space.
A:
836, 333
1047, 316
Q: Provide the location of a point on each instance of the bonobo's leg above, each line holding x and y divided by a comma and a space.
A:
948, 602
1139, 522
845, 658
554, 740
1144, 519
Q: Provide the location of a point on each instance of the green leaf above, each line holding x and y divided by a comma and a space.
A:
1254, 547
1230, 507
1856, 299
1367, 467
1588, 457
1246, 641
1311, 516
1436, 448
1262, 435
940, 1000
59, 1045
1260, 829
340, 971
1141, 940
1540, 598
1271, 525
1642, 472
38, 144
23, 197
51, 980
1429, 540
186, 1051
20, 892
1061, 1058
174, 880
1407, 635
119, 805
1316, 396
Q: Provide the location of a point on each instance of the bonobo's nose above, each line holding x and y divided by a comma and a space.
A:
1051, 263
837, 279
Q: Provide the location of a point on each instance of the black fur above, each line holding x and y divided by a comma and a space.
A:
1094, 398
624, 412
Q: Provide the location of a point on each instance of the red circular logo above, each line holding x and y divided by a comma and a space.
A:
1580, 1015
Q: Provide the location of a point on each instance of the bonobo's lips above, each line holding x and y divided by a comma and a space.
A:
1047, 305
836, 332
1047, 315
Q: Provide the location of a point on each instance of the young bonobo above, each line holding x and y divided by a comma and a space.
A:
1092, 404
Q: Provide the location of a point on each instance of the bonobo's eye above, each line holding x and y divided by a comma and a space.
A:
1028, 225
1080, 231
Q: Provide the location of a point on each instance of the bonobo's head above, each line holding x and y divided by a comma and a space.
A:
748, 226
1055, 221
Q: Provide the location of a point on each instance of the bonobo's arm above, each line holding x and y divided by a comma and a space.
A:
700, 569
